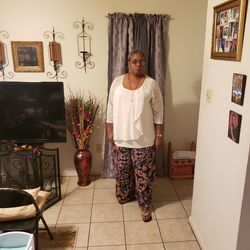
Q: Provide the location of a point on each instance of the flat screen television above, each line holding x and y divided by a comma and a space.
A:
32, 112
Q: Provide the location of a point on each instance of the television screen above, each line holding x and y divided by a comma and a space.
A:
32, 112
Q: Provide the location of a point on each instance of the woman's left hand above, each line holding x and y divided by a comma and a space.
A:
158, 142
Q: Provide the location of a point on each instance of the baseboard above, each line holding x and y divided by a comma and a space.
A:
197, 235
73, 173
68, 173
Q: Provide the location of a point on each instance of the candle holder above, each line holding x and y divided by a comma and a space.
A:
84, 45
55, 54
4, 61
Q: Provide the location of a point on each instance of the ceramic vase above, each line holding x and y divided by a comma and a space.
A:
82, 160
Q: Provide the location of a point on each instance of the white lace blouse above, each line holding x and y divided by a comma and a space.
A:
134, 113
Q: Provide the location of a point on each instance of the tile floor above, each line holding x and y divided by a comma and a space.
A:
104, 224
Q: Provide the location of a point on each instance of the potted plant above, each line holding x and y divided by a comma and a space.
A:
80, 116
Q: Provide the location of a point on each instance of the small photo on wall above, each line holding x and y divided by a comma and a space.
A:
234, 124
238, 88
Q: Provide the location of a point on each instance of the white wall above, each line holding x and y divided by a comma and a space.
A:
221, 164
27, 20
243, 234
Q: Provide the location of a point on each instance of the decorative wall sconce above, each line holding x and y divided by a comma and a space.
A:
4, 62
84, 45
55, 55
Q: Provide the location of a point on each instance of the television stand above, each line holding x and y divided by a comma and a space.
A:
30, 167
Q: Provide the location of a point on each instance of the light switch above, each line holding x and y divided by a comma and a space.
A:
209, 95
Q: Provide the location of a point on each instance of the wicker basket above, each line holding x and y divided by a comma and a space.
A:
180, 168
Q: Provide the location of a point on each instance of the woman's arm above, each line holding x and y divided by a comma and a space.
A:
158, 136
157, 106
110, 132
109, 118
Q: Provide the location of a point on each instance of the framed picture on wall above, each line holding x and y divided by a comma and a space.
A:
228, 30
234, 124
27, 56
238, 88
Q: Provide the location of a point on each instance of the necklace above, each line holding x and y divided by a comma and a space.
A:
133, 89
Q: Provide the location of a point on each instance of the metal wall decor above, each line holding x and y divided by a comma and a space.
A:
84, 45
4, 61
55, 54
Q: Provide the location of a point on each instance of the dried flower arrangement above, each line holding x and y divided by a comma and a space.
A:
80, 116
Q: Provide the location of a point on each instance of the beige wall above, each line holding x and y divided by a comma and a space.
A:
27, 20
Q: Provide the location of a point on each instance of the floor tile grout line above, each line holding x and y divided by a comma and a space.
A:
124, 227
180, 199
158, 226
184, 209
174, 186
67, 183
91, 211
157, 218
62, 199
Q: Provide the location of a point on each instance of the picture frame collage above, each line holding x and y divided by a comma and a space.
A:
228, 30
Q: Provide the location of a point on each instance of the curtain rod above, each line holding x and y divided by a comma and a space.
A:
137, 14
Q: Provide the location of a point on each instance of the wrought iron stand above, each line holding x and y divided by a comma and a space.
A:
29, 168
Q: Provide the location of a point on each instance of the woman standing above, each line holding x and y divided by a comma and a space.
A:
134, 121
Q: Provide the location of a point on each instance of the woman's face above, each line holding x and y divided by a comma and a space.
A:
234, 121
136, 65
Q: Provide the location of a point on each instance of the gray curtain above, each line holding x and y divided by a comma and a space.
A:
148, 33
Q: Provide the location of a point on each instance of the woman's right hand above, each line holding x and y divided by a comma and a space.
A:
110, 136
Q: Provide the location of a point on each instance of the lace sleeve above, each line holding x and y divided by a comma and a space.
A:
114, 84
157, 104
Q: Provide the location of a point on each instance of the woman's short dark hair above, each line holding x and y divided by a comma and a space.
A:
131, 53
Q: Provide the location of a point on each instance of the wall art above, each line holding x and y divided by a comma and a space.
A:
234, 124
238, 88
27, 56
228, 29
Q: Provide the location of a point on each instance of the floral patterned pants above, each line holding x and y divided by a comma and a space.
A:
135, 171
